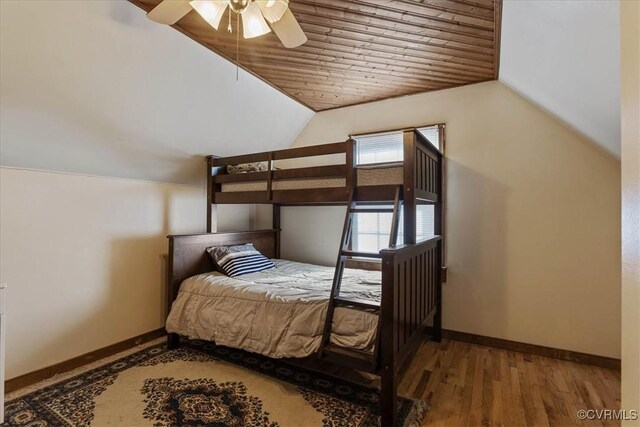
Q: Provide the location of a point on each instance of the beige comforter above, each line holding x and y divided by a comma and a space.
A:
278, 312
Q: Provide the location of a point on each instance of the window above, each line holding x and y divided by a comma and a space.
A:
387, 147
371, 230
379, 148
432, 134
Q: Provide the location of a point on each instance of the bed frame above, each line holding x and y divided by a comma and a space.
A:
412, 273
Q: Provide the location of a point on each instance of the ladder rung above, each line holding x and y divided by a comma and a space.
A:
356, 302
361, 254
372, 210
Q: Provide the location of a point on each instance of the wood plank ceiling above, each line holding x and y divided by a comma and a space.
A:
366, 50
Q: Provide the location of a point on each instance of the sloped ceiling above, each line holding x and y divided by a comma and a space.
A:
94, 87
564, 56
365, 50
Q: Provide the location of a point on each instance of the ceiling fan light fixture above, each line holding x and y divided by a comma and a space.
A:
253, 23
273, 9
210, 10
238, 6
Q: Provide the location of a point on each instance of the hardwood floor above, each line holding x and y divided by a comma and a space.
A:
472, 385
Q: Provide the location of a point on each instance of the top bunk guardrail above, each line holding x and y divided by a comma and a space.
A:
327, 183
263, 186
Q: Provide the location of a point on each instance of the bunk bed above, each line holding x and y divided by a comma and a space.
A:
410, 285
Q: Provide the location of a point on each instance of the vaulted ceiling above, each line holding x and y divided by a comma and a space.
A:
366, 50
565, 57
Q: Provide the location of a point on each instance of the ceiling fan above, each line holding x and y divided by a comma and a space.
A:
255, 15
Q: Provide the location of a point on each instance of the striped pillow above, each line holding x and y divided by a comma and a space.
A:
240, 259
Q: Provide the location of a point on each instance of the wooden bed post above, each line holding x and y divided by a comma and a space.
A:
388, 345
173, 340
437, 315
212, 187
209, 178
409, 184
276, 226
439, 220
350, 162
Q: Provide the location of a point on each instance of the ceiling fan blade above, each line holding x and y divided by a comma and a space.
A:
169, 11
272, 10
288, 30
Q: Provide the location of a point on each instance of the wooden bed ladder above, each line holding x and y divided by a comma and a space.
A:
352, 357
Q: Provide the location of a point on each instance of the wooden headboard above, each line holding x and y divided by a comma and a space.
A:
188, 256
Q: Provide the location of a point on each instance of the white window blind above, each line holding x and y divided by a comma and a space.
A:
432, 134
388, 147
379, 148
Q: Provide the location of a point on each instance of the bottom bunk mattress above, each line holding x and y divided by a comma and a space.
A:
278, 312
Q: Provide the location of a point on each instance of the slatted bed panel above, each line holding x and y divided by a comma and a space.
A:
427, 170
413, 288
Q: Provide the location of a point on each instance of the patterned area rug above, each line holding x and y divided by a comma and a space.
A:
201, 384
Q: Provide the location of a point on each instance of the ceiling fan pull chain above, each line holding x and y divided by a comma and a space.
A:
237, 45
229, 29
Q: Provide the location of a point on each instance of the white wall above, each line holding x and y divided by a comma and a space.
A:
565, 57
533, 220
630, 42
95, 87
84, 259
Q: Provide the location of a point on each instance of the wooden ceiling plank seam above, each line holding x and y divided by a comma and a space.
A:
418, 17
478, 46
471, 41
359, 91
373, 79
427, 79
436, 34
436, 21
436, 71
451, 7
457, 63
275, 43
361, 88
409, 58
442, 59
398, 96
444, 50
347, 73
360, 66
372, 82
363, 69
351, 73
398, 36
347, 62
446, 24
486, 4
417, 14
373, 28
340, 100
371, 43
